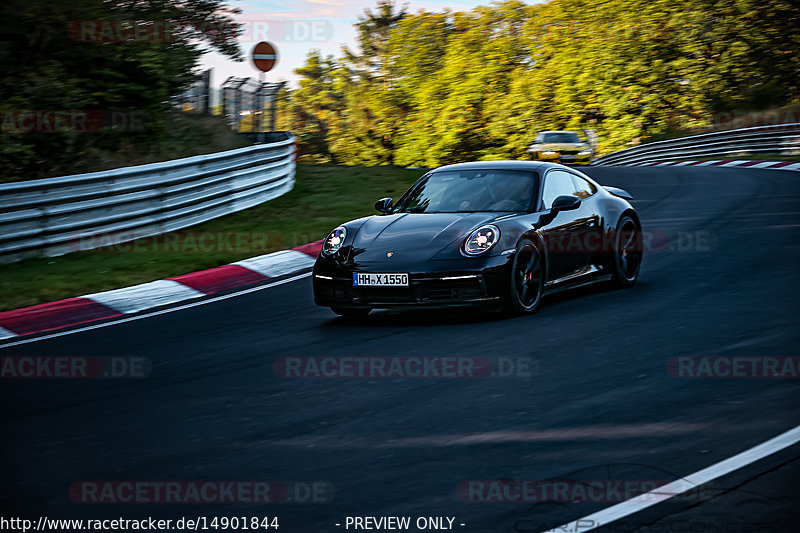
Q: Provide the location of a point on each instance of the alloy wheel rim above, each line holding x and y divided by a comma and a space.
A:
527, 276
629, 251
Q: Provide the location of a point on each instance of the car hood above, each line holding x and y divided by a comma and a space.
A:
413, 236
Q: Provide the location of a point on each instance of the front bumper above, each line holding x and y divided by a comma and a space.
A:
485, 286
563, 158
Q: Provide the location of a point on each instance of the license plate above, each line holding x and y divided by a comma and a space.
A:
567, 157
379, 280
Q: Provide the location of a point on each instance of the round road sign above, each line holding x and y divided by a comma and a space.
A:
264, 56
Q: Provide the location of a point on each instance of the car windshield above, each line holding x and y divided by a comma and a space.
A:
561, 138
460, 191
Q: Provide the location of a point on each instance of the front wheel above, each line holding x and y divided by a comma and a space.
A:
526, 285
626, 260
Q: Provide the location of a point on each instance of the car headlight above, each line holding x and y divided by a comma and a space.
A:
548, 152
481, 240
334, 240
585, 152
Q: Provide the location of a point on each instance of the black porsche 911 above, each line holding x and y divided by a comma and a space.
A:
499, 233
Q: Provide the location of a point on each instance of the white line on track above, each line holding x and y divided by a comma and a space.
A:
5, 334
685, 484
156, 313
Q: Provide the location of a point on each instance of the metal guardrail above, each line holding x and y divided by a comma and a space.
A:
56, 216
778, 139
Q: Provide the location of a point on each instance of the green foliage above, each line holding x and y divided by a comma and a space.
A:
48, 65
435, 88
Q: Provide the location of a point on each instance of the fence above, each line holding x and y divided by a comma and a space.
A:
779, 139
197, 97
250, 106
55, 216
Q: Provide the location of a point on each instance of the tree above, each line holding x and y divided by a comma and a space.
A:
434, 88
84, 55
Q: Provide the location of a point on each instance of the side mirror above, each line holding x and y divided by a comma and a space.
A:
384, 205
565, 203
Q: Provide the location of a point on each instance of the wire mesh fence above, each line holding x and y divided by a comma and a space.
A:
249, 105
197, 97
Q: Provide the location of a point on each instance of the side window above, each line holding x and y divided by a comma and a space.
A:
583, 189
557, 183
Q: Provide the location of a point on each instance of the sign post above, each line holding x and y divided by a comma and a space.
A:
264, 57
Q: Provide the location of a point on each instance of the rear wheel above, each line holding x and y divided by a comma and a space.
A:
526, 285
351, 312
626, 260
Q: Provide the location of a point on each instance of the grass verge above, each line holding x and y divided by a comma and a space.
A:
323, 197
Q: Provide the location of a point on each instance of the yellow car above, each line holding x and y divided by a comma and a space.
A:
560, 147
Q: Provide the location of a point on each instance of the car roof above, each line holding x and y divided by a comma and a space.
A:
501, 165
558, 131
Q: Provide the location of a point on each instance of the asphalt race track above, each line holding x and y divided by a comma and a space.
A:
721, 279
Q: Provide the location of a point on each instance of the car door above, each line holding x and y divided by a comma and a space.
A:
564, 235
588, 230
556, 232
